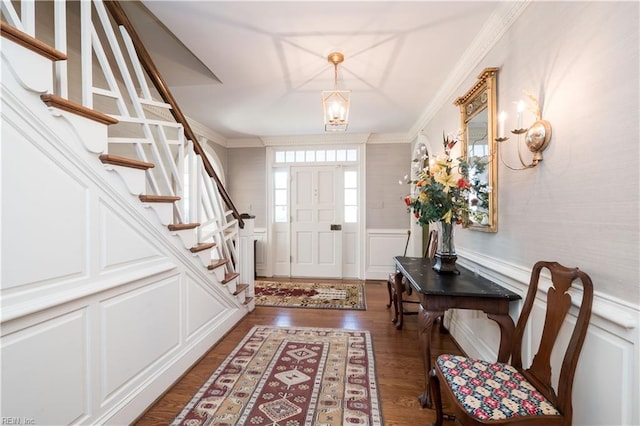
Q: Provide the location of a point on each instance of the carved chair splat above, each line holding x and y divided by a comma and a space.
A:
536, 402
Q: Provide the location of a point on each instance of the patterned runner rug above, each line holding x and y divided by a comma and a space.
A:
291, 376
310, 295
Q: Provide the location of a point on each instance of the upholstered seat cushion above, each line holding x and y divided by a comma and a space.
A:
492, 391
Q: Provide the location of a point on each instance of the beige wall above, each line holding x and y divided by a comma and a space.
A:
246, 182
385, 165
580, 206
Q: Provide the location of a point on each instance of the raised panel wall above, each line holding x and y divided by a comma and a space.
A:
382, 246
40, 360
138, 327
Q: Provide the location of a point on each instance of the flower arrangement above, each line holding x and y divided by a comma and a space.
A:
441, 187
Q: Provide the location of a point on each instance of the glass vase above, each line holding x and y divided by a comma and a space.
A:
445, 258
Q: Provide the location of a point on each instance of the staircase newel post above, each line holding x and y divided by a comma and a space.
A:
246, 254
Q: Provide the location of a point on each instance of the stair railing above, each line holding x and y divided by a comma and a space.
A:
121, 18
117, 80
206, 208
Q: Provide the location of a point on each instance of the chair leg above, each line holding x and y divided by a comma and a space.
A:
443, 329
394, 299
389, 284
436, 398
399, 307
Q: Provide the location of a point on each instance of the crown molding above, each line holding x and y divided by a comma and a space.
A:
245, 143
497, 25
380, 138
324, 139
211, 135
290, 140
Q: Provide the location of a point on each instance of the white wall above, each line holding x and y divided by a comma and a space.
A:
580, 206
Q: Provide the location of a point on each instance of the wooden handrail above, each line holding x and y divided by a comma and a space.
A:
119, 15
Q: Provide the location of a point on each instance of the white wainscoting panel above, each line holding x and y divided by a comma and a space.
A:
41, 360
121, 244
603, 389
138, 327
349, 254
260, 234
35, 218
382, 246
202, 306
282, 264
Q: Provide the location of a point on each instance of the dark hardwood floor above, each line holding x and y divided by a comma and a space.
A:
399, 365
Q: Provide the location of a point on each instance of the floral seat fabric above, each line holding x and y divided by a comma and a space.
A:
492, 391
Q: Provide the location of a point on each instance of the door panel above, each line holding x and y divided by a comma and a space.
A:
316, 205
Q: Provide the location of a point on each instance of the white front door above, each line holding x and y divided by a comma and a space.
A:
316, 221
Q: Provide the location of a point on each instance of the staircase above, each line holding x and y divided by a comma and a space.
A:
123, 257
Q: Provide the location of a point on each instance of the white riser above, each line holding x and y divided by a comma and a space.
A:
134, 179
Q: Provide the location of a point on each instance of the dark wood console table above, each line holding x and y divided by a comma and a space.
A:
439, 292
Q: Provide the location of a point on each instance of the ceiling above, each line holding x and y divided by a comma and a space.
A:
256, 69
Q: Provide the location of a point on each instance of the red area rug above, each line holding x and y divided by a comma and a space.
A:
291, 376
310, 295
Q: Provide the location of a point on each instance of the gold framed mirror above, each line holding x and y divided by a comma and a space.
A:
478, 123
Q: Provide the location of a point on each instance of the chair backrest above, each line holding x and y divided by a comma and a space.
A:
432, 244
406, 245
558, 305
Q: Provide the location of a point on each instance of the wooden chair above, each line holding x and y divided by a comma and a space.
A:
498, 393
391, 276
395, 296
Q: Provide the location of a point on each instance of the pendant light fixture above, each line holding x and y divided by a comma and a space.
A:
335, 103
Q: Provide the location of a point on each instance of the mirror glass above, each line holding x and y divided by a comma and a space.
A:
478, 122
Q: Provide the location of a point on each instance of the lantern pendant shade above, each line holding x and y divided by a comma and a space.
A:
335, 103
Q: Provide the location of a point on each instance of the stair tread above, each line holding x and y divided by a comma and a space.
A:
201, 247
217, 263
31, 43
230, 277
55, 101
158, 198
247, 300
240, 288
182, 226
116, 160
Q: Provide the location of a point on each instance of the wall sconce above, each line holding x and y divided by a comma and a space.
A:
536, 136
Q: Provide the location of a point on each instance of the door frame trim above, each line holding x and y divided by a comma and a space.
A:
271, 165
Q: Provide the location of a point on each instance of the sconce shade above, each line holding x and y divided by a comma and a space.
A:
538, 136
335, 103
